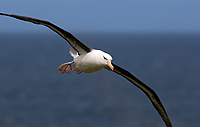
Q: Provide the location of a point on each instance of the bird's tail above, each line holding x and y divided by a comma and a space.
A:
73, 53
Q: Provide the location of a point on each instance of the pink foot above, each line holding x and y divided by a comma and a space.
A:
75, 69
65, 68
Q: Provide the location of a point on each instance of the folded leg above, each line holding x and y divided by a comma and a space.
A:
76, 69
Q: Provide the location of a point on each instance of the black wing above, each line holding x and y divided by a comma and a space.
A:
147, 90
74, 42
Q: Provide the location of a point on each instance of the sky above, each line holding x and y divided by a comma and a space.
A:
135, 16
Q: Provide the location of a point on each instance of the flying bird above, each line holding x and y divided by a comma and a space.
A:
90, 60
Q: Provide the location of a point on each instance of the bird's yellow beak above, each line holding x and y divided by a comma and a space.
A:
110, 65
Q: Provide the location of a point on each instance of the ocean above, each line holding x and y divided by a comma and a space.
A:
34, 94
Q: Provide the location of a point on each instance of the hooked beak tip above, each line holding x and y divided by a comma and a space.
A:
110, 65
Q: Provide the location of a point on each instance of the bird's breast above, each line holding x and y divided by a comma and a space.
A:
88, 63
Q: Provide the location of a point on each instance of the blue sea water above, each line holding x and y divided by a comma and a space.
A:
34, 94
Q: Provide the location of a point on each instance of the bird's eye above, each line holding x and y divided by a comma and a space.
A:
105, 58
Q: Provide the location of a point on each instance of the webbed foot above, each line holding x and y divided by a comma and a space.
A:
65, 68
76, 69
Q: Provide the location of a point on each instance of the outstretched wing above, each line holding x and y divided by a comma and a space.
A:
74, 42
147, 90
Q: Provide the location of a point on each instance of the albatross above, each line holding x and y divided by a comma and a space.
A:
90, 60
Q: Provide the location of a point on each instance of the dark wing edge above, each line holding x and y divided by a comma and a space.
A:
74, 42
147, 90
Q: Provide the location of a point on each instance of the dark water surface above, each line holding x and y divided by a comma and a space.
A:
34, 94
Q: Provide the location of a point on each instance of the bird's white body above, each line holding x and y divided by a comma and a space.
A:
92, 61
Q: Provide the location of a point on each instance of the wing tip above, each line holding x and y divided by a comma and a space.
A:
151, 94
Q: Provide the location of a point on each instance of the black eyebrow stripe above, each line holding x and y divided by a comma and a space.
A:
105, 58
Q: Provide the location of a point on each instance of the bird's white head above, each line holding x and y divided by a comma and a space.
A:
104, 58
